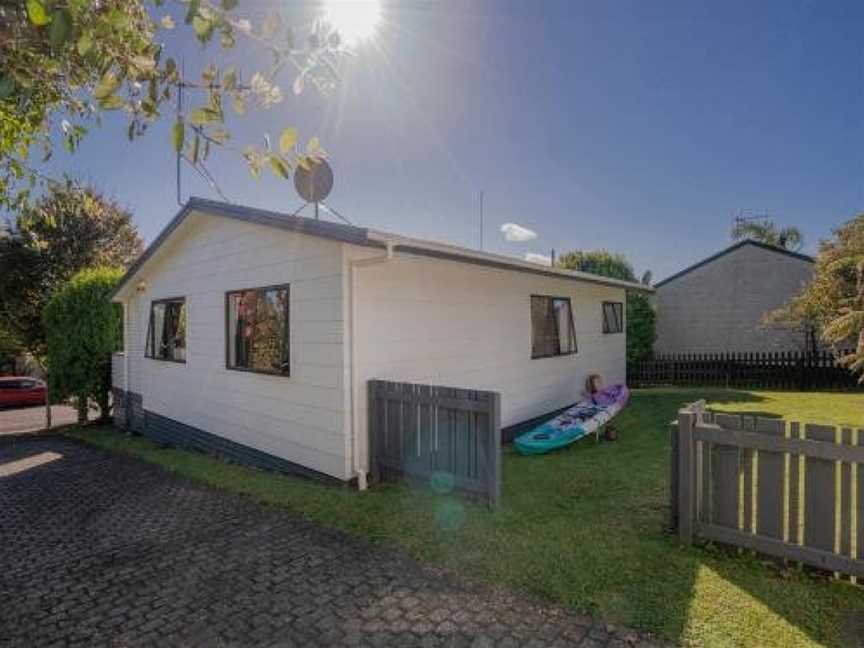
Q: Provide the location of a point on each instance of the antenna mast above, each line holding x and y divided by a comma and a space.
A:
481, 220
180, 116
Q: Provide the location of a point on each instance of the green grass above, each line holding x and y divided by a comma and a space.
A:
583, 528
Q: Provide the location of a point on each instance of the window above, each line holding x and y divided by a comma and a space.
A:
552, 330
166, 331
257, 337
613, 317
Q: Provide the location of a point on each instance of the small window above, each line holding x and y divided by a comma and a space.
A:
166, 331
552, 329
613, 317
258, 330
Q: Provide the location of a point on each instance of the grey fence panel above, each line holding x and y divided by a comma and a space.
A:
786, 490
425, 433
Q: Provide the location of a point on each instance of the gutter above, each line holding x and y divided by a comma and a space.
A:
353, 266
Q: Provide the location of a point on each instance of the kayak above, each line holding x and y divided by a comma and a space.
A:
574, 423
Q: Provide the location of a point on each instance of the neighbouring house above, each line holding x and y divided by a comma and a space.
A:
718, 304
253, 334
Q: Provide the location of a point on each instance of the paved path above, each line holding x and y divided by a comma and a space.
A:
100, 550
32, 419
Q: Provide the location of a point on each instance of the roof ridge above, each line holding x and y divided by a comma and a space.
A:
732, 248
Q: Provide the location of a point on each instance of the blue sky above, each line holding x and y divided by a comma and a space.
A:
640, 127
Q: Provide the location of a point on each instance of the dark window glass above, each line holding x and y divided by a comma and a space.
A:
258, 330
11, 384
120, 341
552, 329
613, 317
166, 331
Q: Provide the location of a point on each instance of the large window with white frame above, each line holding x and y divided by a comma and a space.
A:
552, 330
166, 330
258, 330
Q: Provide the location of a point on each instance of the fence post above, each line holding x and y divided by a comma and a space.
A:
686, 475
372, 435
495, 450
673, 476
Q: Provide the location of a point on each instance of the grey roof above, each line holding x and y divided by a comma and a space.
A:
732, 248
363, 237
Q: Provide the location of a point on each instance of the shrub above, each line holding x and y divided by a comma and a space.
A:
83, 328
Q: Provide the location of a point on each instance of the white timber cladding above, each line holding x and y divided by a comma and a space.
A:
457, 324
719, 306
417, 319
301, 418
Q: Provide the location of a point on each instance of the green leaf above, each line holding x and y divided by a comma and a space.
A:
239, 105
111, 102
287, 140
144, 63
280, 167
203, 28
178, 135
228, 5
196, 145
192, 11
7, 85
167, 22
85, 43
37, 13
61, 27
107, 85
204, 116
229, 79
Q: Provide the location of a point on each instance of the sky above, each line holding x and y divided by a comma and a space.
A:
635, 126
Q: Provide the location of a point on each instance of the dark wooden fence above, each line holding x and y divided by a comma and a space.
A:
443, 436
780, 370
783, 489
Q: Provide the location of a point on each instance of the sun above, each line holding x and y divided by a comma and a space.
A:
354, 20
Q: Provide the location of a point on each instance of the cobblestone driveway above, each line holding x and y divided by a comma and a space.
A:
107, 550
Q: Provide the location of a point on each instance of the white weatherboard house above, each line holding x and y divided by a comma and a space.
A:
253, 333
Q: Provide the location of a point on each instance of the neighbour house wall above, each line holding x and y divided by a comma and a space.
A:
455, 324
717, 307
300, 418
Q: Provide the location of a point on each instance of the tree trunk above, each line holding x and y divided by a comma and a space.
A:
81, 404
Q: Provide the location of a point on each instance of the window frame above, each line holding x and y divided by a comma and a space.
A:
150, 340
572, 328
265, 372
621, 324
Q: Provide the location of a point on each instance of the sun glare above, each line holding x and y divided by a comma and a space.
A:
354, 20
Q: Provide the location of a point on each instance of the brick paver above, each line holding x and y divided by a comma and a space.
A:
101, 550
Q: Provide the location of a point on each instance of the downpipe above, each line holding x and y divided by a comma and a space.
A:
353, 266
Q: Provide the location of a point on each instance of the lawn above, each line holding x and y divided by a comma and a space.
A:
583, 528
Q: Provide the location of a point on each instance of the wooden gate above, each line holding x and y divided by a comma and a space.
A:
428, 433
784, 489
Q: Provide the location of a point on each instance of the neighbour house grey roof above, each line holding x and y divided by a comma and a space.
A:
732, 248
363, 237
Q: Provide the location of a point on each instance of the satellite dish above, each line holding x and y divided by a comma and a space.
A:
314, 184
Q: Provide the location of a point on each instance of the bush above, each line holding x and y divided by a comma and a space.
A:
83, 329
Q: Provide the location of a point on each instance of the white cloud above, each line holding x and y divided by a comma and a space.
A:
542, 259
514, 232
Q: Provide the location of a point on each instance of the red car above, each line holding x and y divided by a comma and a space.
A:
21, 390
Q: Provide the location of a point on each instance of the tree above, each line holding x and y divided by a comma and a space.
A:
833, 302
641, 329
766, 231
66, 61
83, 330
68, 229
